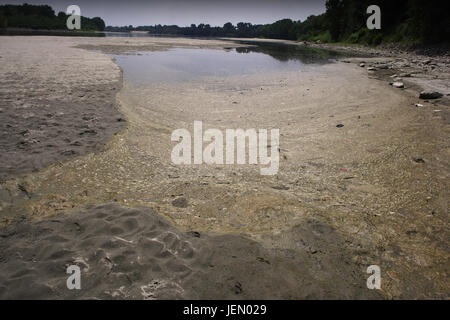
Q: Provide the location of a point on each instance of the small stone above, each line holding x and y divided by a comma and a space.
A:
398, 84
418, 160
430, 95
194, 234
280, 187
371, 69
180, 203
340, 125
362, 65
418, 105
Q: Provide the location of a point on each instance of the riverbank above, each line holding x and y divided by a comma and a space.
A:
363, 180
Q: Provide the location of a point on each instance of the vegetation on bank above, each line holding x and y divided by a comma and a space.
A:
412, 21
42, 17
407, 21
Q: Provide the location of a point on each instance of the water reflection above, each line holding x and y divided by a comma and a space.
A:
181, 64
288, 52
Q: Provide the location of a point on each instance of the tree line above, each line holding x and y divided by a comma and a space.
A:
419, 21
42, 17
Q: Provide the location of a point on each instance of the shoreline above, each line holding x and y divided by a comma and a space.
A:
419, 69
309, 204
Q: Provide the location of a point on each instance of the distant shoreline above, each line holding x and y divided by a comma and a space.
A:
43, 32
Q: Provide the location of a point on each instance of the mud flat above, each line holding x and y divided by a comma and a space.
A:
363, 180
129, 253
56, 102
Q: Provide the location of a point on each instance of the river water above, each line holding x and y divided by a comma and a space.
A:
182, 64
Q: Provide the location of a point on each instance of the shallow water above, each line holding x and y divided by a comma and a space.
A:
180, 64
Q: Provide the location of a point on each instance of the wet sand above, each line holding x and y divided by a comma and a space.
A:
345, 198
56, 102
129, 253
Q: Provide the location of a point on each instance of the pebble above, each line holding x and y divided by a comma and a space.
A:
398, 84
430, 95
180, 203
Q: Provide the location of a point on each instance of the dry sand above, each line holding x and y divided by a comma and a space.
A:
344, 199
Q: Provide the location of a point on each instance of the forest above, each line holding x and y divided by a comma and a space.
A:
42, 17
408, 21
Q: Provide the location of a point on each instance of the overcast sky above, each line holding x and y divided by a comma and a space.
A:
185, 12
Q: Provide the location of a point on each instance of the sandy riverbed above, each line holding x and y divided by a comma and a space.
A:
345, 198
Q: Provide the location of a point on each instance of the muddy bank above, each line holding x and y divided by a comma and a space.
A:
128, 253
113, 45
56, 102
417, 69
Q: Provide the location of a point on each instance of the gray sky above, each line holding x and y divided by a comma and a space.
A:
182, 13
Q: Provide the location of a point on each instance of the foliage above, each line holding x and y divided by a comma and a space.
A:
424, 21
42, 17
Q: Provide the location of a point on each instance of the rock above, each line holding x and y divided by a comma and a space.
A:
418, 105
194, 234
430, 95
362, 65
398, 84
280, 187
340, 125
22, 188
180, 203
